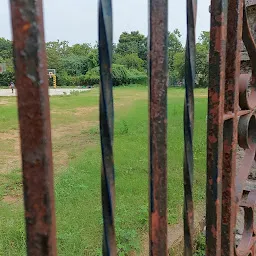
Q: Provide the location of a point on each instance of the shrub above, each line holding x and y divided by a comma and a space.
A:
121, 75
137, 77
130, 61
6, 78
91, 77
64, 79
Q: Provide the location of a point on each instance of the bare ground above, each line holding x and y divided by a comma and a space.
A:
68, 141
175, 234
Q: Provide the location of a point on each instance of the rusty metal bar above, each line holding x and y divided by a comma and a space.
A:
188, 167
107, 126
158, 76
215, 125
231, 104
35, 128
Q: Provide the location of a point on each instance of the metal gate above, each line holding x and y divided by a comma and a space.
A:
231, 122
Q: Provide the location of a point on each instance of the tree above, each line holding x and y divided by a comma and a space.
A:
202, 59
55, 52
131, 61
79, 49
132, 43
204, 39
175, 47
92, 59
5, 48
74, 65
179, 65
174, 43
61, 47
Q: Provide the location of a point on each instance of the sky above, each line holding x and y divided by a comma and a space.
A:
76, 21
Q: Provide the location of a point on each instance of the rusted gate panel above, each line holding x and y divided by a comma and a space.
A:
231, 121
35, 128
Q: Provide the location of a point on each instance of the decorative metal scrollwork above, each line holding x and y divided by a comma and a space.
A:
245, 195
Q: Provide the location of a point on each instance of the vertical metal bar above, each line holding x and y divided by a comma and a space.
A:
189, 126
229, 209
107, 126
215, 125
158, 76
35, 128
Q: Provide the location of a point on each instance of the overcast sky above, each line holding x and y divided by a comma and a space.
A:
76, 20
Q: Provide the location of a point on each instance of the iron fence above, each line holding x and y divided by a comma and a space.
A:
231, 123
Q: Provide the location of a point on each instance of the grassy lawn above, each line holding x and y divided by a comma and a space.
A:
76, 149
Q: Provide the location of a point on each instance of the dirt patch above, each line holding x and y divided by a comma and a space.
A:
85, 110
63, 138
136, 96
9, 136
68, 142
11, 199
4, 102
60, 160
61, 111
202, 96
10, 151
175, 234
69, 139
71, 129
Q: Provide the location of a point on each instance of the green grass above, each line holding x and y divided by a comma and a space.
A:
77, 188
200, 245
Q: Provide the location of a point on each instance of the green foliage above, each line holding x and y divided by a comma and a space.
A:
74, 65
132, 43
178, 72
55, 52
71, 61
6, 57
174, 45
202, 59
200, 246
175, 61
79, 49
92, 59
6, 78
131, 61
78, 64
204, 39
5, 48
136, 77
64, 79
121, 75
92, 76
128, 241
9, 65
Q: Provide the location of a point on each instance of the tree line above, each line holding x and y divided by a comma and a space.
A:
79, 64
